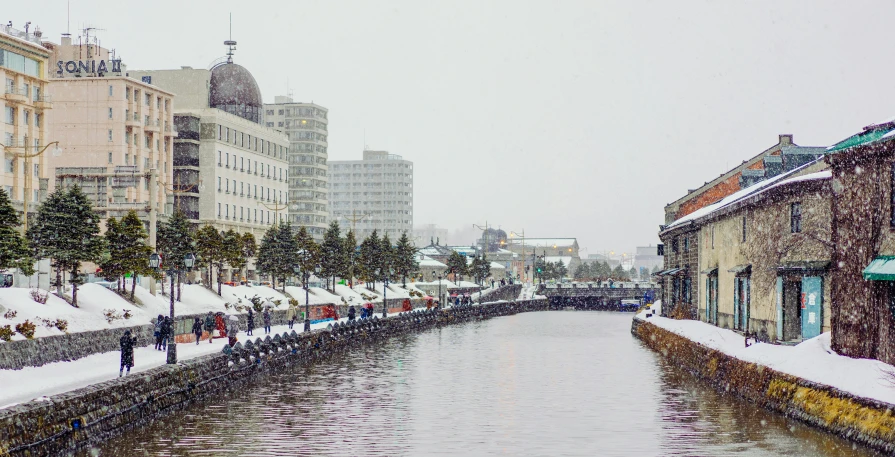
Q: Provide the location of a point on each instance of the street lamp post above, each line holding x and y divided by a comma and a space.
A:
27, 190
436, 275
155, 263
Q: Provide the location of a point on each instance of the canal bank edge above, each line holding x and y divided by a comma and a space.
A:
863, 420
73, 419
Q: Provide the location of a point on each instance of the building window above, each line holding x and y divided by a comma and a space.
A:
36, 120
219, 185
220, 156
795, 217
713, 237
674, 246
10, 115
744, 229
110, 157
219, 206
110, 91
110, 135
686, 243
110, 111
26, 115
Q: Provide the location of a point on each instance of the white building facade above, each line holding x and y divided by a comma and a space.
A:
306, 125
373, 193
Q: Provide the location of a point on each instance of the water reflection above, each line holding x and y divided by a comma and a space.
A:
550, 383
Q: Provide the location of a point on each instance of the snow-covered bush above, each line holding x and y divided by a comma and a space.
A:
39, 295
10, 314
6, 333
26, 329
126, 313
111, 315
62, 325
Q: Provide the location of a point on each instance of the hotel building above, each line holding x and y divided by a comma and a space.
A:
116, 133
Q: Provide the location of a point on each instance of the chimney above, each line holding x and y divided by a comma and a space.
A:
66, 39
784, 139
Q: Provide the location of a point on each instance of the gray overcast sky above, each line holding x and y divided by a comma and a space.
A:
567, 118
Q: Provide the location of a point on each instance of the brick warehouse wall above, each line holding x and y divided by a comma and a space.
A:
73, 419
682, 258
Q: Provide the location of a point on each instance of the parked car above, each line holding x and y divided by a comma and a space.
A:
266, 283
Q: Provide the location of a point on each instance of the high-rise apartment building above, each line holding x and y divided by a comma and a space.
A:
373, 193
24, 132
116, 133
306, 125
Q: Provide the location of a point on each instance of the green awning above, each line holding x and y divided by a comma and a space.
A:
881, 268
710, 271
865, 137
740, 270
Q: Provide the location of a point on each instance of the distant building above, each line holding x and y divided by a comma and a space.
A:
647, 257
306, 125
373, 193
553, 249
24, 68
429, 233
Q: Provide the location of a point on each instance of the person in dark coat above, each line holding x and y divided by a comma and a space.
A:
197, 330
127, 352
209, 326
351, 313
157, 332
266, 316
251, 322
166, 332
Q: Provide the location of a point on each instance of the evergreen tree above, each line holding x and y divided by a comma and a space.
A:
233, 253
332, 254
456, 264
132, 252
386, 257
14, 252
175, 241
655, 270
370, 258
405, 259
210, 253
582, 273
561, 270
267, 253
112, 267
619, 273
480, 269
632, 273
67, 230
349, 252
308, 256
249, 249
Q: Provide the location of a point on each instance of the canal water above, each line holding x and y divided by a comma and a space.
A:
560, 383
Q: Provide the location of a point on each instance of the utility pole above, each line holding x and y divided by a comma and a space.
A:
153, 219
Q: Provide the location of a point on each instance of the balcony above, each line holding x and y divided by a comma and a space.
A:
15, 94
153, 126
170, 131
43, 102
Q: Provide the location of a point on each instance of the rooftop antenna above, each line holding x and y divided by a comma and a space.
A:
68, 19
231, 45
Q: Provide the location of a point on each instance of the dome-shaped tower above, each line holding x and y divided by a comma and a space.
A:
233, 89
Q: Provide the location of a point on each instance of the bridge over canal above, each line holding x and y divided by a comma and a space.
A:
595, 296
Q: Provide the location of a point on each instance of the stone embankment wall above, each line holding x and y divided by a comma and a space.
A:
860, 419
66, 421
15, 355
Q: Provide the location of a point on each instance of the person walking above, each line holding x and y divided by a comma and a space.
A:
209, 326
127, 352
157, 332
167, 331
197, 330
266, 316
290, 313
351, 313
251, 322
232, 329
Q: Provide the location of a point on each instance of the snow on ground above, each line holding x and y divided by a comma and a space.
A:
232, 294
313, 298
467, 285
812, 359
33, 382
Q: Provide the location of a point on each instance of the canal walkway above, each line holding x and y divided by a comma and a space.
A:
811, 360
32, 383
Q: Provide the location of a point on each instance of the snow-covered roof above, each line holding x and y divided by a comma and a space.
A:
753, 190
426, 261
545, 241
498, 265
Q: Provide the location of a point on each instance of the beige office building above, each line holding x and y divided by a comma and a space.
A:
25, 104
115, 132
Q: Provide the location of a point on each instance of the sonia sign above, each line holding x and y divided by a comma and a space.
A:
88, 66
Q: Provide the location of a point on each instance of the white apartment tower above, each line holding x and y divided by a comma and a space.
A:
306, 125
373, 193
